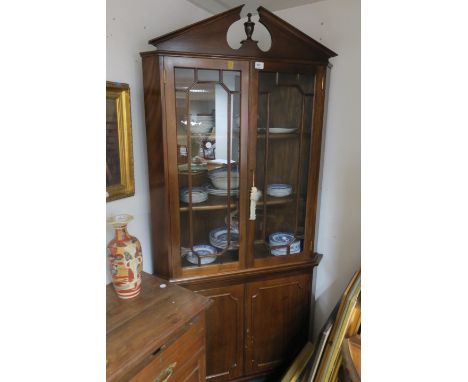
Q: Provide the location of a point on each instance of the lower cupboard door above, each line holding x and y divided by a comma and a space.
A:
224, 332
277, 319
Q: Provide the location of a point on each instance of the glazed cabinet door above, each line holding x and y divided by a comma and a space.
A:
206, 124
224, 332
277, 317
286, 143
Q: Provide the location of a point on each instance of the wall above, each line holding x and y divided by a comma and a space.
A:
336, 24
130, 24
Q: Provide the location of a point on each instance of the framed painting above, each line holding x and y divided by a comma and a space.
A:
120, 182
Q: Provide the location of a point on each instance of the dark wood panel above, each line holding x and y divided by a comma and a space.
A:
277, 316
157, 157
224, 332
314, 161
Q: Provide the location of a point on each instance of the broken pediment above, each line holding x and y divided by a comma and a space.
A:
208, 37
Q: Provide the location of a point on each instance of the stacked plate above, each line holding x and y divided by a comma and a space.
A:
218, 237
283, 238
220, 192
207, 254
219, 178
279, 190
199, 195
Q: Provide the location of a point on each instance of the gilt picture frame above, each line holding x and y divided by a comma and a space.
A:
120, 182
347, 323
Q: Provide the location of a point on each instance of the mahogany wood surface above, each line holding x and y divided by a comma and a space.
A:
225, 332
261, 303
277, 313
157, 157
137, 329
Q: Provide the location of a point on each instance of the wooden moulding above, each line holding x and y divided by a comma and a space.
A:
208, 37
251, 274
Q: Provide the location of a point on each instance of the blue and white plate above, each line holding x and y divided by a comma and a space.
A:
278, 239
218, 237
199, 195
206, 252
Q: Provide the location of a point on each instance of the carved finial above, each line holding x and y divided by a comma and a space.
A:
249, 27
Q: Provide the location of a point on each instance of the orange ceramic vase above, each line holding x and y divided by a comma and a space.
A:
126, 262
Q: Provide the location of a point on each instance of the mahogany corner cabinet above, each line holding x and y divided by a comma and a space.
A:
234, 139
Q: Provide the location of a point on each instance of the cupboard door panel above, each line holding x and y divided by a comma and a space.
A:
277, 317
224, 332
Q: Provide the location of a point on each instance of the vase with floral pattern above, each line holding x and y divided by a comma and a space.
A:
126, 261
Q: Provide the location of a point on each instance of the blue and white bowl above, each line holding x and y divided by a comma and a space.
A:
279, 190
206, 252
278, 239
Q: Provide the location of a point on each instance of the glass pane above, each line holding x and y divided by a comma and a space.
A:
184, 78
208, 135
305, 82
231, 79
283, 147
208, 75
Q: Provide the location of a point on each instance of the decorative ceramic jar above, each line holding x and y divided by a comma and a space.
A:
125, 258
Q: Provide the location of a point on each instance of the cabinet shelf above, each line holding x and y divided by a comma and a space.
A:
212, 203
220, 203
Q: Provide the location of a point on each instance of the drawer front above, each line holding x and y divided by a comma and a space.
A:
182, 360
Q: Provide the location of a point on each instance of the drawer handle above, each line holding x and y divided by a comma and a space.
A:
166, 374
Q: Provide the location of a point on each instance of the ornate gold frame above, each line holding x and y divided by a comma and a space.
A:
296, 370
347, 323
121, 94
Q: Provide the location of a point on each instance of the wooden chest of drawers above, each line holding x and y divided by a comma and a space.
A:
158, 336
